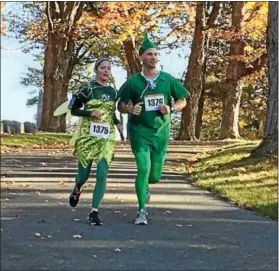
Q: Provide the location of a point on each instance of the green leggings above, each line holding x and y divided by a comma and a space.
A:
149, 170
101, 177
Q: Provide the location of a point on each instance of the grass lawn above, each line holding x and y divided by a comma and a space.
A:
36, 140
249, 182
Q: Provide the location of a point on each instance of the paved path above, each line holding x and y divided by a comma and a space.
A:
189, 229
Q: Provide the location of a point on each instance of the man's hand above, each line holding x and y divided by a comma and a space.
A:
165, 109
96, 114
136, 109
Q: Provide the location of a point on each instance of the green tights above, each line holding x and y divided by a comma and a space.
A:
101, 177
149, 171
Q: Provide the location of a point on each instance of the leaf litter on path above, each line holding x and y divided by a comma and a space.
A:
77, 236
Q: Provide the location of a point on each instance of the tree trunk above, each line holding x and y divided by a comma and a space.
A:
134, 65
269, 145
199, 116
233, 86
202, 97
40, 110
194, 78
132, 56
58, 64
262, 120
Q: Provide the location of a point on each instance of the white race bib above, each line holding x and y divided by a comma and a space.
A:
100, 130
153, 102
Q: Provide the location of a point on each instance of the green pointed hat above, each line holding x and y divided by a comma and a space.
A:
146, 44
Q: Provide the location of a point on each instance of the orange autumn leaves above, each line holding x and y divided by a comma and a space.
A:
3, 26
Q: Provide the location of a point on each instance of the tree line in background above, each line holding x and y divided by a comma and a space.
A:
226, 73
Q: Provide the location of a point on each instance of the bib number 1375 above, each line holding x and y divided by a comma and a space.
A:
100, 130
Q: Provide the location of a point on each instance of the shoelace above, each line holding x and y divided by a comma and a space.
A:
77, 192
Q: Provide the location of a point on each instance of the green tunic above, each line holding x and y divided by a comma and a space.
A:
151, 128
89, 148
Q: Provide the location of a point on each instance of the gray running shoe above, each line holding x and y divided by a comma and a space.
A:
142, 218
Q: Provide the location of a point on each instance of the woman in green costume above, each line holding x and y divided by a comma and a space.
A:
94, 138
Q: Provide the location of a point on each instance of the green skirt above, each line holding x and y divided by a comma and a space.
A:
88, 148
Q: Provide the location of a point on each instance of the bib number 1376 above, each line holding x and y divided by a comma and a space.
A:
100, 130
153, 102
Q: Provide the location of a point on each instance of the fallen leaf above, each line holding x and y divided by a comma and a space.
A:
46, 200
73, 210
95, 256
38, 193
116, 212
168, 212
42, 238
12, 193
49, 236
43, 164
37, 234
189, 225
117, 249
77, 236
76, 219
178, 225
241, 169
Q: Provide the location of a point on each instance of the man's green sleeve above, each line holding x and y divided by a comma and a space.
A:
178, 91
125, 92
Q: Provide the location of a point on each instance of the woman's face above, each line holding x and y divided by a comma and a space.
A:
103, 71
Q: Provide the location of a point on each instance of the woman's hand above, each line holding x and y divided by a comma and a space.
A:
96, 114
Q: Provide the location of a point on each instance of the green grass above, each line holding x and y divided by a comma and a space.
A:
36, 140
249, 182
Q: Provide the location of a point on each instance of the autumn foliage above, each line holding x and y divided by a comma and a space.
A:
232, 90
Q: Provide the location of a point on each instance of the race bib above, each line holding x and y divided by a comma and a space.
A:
100, 130
153, 102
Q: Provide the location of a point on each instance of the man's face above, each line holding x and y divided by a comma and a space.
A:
149, 58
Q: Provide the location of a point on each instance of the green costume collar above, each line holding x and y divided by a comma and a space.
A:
146, 44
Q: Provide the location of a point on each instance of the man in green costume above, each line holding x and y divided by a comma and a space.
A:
149, 125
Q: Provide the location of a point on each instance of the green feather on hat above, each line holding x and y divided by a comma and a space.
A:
146, 44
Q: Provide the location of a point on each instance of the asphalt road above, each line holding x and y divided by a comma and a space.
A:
189, 228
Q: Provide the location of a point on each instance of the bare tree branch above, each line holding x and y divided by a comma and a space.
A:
213, 15
256, 65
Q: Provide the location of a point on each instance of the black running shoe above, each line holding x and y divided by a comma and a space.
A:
74, 197
94, 219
